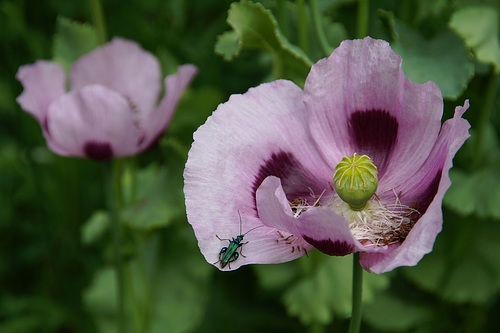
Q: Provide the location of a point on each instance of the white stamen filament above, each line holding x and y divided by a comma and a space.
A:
378, 224
300, 205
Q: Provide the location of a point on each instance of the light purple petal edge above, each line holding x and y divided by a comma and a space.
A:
43, 82
420, 240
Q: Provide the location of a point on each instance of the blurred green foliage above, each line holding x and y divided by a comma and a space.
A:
55, 256
255, 28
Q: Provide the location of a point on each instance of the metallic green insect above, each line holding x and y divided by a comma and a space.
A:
230, 253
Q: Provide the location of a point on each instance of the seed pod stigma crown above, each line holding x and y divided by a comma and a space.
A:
355, 180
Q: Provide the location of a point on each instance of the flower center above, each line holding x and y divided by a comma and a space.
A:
372, 222
378, 224
355, 180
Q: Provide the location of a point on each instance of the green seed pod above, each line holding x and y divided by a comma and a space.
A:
355, 180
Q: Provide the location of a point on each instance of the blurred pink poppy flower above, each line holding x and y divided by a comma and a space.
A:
111, 107
271, 153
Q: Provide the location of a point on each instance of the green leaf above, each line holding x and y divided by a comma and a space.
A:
464, 266
390, 313
442, 59
167, 287
158, 198
101, 300
327, 291
478, 26
279, 276
95, 227
256, 28
72, 40
182, 287
228, 45
477, 192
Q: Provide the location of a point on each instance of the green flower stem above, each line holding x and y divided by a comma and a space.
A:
301, 12
113, 191
484, 118
135, 312
327, 49
363, 17
357, 291
98, 21
147, 253
282, 17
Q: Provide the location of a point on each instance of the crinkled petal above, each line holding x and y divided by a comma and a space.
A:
123, 66
358, 100
318, 226
43, 82
93, 122
260, 133
155, 123
427, 188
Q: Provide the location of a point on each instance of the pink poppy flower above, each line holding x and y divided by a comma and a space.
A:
270, 154
111, 107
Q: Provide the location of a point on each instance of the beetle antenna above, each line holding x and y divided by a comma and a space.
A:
240, 220
248, 230
252, 229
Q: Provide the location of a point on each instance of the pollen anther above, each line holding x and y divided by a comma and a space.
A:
300, 205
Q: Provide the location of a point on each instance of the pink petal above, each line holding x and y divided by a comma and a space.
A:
155, 122
253, 135
319, 226
123, 66
425, 186
95, 116
358, 100
43, 82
